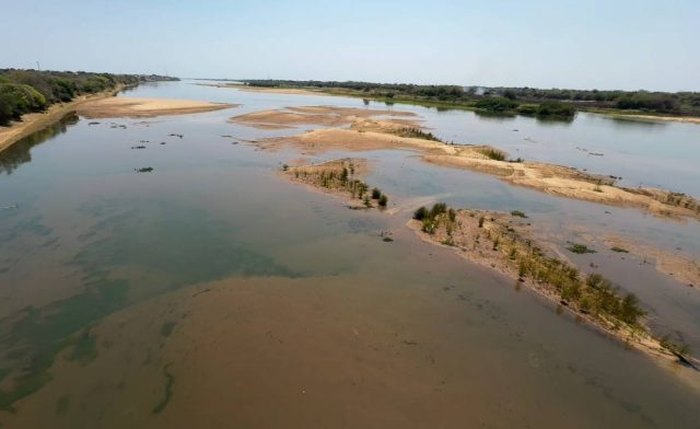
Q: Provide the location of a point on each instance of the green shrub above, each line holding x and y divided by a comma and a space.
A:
492, 153
416, 133
630, 312
580, 248
18, 99
452, 214
421, 213
376, 193
438, 209
556, 109
496, 104
528, 109
383, 200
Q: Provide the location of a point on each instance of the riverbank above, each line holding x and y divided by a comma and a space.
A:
33, 122
368, 133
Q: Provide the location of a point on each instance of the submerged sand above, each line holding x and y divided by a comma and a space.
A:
281, 353
145, 107
682, 268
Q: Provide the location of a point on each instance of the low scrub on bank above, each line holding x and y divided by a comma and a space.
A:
492, 153
579, 248
338, 176
416, 133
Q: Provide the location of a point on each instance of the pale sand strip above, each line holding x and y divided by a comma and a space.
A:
146, 107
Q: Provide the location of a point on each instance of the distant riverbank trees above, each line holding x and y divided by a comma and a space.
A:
567, 100
544, 110
26, 91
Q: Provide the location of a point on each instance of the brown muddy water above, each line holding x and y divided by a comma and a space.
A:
210, 293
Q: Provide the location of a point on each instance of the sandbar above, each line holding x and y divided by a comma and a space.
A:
145, 107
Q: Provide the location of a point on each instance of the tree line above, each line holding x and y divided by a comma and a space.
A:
679, 103
26, 91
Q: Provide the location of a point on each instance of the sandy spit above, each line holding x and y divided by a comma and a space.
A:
247, 88
144, 107
329, 116
654, 118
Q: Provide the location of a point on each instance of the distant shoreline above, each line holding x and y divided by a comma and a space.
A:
398, 99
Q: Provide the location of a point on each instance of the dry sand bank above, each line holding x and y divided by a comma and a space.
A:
368, 134
145, 107
329, 116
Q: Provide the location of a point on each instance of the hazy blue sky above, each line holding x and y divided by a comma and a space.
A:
541, 43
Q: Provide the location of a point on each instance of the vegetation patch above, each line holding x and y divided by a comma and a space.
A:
619, 249
492, 153
339, 176
552, 110
579, 248
501, 105
518, 213
416, 133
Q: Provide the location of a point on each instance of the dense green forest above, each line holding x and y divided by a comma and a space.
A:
543, 103
25, 91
